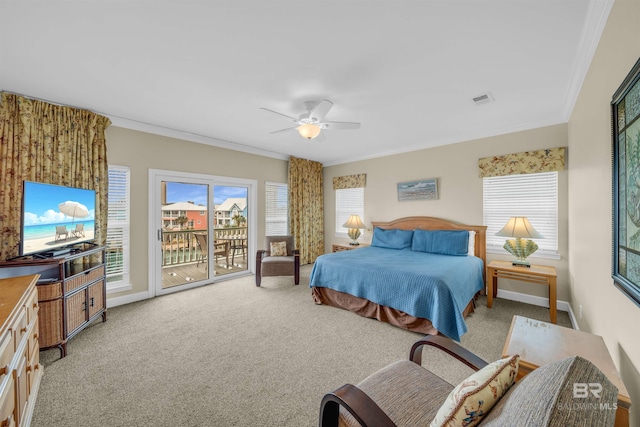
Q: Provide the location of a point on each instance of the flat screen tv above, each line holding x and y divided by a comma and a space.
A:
55, 217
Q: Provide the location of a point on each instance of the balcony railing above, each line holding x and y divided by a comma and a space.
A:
180, 247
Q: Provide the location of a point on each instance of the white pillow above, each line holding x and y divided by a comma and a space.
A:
472, 243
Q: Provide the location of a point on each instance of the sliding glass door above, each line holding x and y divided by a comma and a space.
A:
202, 228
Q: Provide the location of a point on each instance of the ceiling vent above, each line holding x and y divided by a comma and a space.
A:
483, 99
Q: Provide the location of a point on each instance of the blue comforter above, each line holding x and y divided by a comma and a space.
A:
429, 286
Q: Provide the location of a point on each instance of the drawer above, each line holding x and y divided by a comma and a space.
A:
84, 278
7, 402
7, 350
33, 369
50, 322
34, 337
49, 291
22, 387
32, 306
19, 327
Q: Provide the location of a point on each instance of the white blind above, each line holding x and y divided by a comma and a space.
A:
532, 195
349, 201
118, 225
277, 212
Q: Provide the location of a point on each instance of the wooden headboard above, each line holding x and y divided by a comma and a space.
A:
431, 223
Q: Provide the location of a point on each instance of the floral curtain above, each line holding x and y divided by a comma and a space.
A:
306, 207
548, 160
52, 144
350, 181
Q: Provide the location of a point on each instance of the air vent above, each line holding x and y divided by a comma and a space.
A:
482, 99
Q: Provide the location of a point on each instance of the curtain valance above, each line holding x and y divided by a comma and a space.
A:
350, 181
547, 160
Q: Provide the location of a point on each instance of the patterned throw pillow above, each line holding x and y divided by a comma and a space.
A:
472, 399
278, 248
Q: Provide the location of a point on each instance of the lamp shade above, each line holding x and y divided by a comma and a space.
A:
308, 130
519, 226
354, 221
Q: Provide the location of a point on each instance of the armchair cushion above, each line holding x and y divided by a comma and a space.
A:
389, 387
278, 248
545, 397
474, 397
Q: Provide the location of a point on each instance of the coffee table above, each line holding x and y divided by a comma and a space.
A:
539, 343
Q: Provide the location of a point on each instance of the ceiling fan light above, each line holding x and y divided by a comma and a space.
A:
309, 131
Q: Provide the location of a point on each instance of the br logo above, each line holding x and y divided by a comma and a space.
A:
582, 390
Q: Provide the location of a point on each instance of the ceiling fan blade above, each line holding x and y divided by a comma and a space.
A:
340, 125
321, 110
280, 114
284, 130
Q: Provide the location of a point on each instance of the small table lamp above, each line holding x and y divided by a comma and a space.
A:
354, 224
520, 228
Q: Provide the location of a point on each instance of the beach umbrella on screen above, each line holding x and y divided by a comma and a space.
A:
73, 209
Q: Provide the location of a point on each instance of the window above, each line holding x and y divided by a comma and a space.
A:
118, 228
349, 201
277, 215
532, 195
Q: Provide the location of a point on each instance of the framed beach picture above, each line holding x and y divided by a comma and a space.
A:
625, 120
423, 189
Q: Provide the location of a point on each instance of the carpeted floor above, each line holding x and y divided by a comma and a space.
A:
232, 354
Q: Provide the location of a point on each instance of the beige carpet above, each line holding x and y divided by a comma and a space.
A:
232, 354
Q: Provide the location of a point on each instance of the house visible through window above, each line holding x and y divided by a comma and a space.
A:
277, 209
532, 195
349, 201
117, 261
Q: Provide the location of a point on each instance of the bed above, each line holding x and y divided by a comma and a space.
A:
416, 275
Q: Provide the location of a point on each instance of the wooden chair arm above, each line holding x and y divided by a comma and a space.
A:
448, 346
357, 402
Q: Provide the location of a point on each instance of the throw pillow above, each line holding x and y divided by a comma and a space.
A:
444, 242
472, 399
278, 248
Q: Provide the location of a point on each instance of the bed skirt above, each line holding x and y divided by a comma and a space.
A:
366, 308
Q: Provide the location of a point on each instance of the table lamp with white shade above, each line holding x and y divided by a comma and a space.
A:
521, 247
354, 224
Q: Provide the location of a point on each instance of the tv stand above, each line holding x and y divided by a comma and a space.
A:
71, 290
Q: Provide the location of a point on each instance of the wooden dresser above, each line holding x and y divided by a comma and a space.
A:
20, 369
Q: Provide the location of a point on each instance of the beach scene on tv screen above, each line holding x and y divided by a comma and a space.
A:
56, 216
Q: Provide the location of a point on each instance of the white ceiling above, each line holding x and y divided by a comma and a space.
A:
406, 69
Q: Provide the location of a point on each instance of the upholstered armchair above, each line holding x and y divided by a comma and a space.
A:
406, 394
279, 258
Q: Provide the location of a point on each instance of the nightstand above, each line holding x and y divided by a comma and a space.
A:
540, 274
339, 247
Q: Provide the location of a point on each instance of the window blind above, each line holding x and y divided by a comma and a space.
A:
277, 209
117, 263
349, 201
532, 195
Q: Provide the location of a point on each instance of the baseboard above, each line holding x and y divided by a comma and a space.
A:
540, 302
127, 299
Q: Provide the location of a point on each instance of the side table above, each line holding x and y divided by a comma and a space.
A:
339, 247
539, 343
540, 274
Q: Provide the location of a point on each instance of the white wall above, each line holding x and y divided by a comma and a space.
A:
607, 312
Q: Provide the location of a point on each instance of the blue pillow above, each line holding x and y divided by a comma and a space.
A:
392, 239
445, 242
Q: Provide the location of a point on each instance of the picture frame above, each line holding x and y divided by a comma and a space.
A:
625, 139
422, 189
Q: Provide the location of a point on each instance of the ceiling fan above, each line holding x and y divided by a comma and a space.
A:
311, 122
